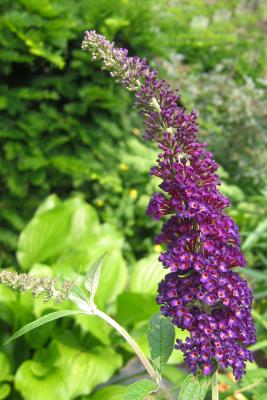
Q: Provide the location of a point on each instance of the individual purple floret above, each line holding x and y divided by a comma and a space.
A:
202, 293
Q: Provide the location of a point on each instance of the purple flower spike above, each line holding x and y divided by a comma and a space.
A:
201, 293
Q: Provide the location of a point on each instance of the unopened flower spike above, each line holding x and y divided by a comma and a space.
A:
201, 292
37, 285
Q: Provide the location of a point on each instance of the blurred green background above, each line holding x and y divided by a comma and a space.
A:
74, 177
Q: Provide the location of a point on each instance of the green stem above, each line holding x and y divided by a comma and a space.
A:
138, 351
214, 386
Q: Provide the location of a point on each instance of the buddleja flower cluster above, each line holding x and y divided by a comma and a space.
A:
201, 293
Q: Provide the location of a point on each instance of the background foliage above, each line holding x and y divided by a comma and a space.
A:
74, 164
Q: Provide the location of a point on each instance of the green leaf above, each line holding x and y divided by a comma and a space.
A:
113, 279
255, 236
4, 390
79, 292
5, 367
259, 345
139, 390
72, 371
161, 336
111, 392
146, 275
84, 225
85, 248
41, 321
49, 203
92, 278
46, 235
84, 370
96, 326
258, 317
135, 307
257, 275
194, 387
52, 385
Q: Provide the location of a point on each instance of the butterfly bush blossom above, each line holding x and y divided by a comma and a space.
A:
201, 292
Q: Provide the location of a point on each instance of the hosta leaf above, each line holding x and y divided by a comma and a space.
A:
161, 336
194, 388
49, 203
135, 307
4, 390
111, 392
72, 373
140, 389
146, 275
84, 370
45, 236
5, 367
33, 387
113, 279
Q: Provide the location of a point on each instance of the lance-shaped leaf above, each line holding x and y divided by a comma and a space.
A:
140, 389
78, 291
41, 321
92, 278
161, 336
194, 387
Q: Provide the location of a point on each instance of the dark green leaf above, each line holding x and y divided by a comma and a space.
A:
161, 336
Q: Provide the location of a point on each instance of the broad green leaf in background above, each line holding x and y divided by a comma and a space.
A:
49, 203
113, 279
41, 321
5, 367
84, 224
135, 307
146, 275
140, 389
84, 370
194, 388
4, 390
45, 235
33, 387
111, 392
96, 326
92, 278
161, 336
232, 191
83, 250
62, 228
74, 372
8, 300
